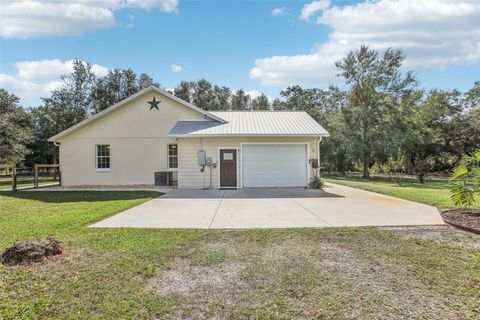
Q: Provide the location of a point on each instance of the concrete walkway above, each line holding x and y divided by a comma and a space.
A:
273, 208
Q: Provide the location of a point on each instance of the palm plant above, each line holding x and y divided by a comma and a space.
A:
466, 181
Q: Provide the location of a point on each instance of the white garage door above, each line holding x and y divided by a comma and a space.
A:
274, 165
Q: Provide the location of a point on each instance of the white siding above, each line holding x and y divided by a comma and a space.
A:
189, 174
138, 138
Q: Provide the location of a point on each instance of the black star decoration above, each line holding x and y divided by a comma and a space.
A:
154, 104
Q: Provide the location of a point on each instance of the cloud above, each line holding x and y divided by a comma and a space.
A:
176, 68
311, 8
34, 18
433, 33
279, 11
35, 79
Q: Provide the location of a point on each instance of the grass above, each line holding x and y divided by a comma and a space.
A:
434, 192
335, 273
349, 273
104, 273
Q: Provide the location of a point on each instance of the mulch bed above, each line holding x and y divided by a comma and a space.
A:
28, 251
466, 219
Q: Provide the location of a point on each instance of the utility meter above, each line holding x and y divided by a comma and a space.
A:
202, 158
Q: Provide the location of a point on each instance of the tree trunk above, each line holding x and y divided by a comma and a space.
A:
366, 174
421, 177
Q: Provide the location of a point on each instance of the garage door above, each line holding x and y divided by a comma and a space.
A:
275, 165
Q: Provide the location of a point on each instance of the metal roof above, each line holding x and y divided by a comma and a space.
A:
252, 123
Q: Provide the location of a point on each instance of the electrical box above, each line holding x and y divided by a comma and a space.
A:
202, 158
209, 161
163, 178
314, 163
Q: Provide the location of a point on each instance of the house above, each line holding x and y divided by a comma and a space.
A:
154, 131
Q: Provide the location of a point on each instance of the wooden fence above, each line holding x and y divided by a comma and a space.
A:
24, 178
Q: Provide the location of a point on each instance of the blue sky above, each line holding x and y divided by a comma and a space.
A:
256, 45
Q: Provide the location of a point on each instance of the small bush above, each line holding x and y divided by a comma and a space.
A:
466, 180
316, 183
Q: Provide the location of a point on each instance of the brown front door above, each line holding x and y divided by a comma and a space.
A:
228, 168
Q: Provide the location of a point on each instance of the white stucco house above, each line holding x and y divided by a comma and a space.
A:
155, 132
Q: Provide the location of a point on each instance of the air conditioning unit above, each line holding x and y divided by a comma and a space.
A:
163, 178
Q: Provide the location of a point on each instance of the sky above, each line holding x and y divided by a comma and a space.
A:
260, 46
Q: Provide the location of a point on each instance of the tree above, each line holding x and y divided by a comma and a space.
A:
15, 129
145, 81
46, 125
297, 98
184, 90
67, 106
373, 81
117, 85
71, 103
240, 100
203, 96
72, 100
278, 104
222, 98
327, 112
260, 103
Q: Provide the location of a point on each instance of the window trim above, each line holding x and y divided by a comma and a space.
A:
168, 156
96, 159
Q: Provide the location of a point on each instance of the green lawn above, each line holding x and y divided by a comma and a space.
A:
332, 273
434, 192
104, 272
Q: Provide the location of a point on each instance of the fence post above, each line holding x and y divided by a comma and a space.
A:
35, 178
14, 177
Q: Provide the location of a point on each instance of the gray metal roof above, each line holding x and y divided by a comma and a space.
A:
252, 123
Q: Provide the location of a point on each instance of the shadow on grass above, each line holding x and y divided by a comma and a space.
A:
439, 184
79, 196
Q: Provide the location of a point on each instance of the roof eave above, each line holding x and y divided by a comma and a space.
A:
246, 135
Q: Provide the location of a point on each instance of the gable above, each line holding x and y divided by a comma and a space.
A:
135, 117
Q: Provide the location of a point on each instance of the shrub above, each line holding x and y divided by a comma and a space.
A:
316, 183
466, 180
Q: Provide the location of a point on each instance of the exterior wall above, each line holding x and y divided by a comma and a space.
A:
138, 140
189, 174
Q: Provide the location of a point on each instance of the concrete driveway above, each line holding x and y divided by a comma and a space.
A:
273, 208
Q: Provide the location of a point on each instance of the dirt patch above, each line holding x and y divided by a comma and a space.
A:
29, 251
307, 274
466, 219
446, 234
181, 277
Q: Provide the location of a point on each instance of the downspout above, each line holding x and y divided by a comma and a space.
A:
56, 144
318, 157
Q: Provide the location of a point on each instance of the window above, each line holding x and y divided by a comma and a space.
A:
227, 156
172, 156
103, 156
